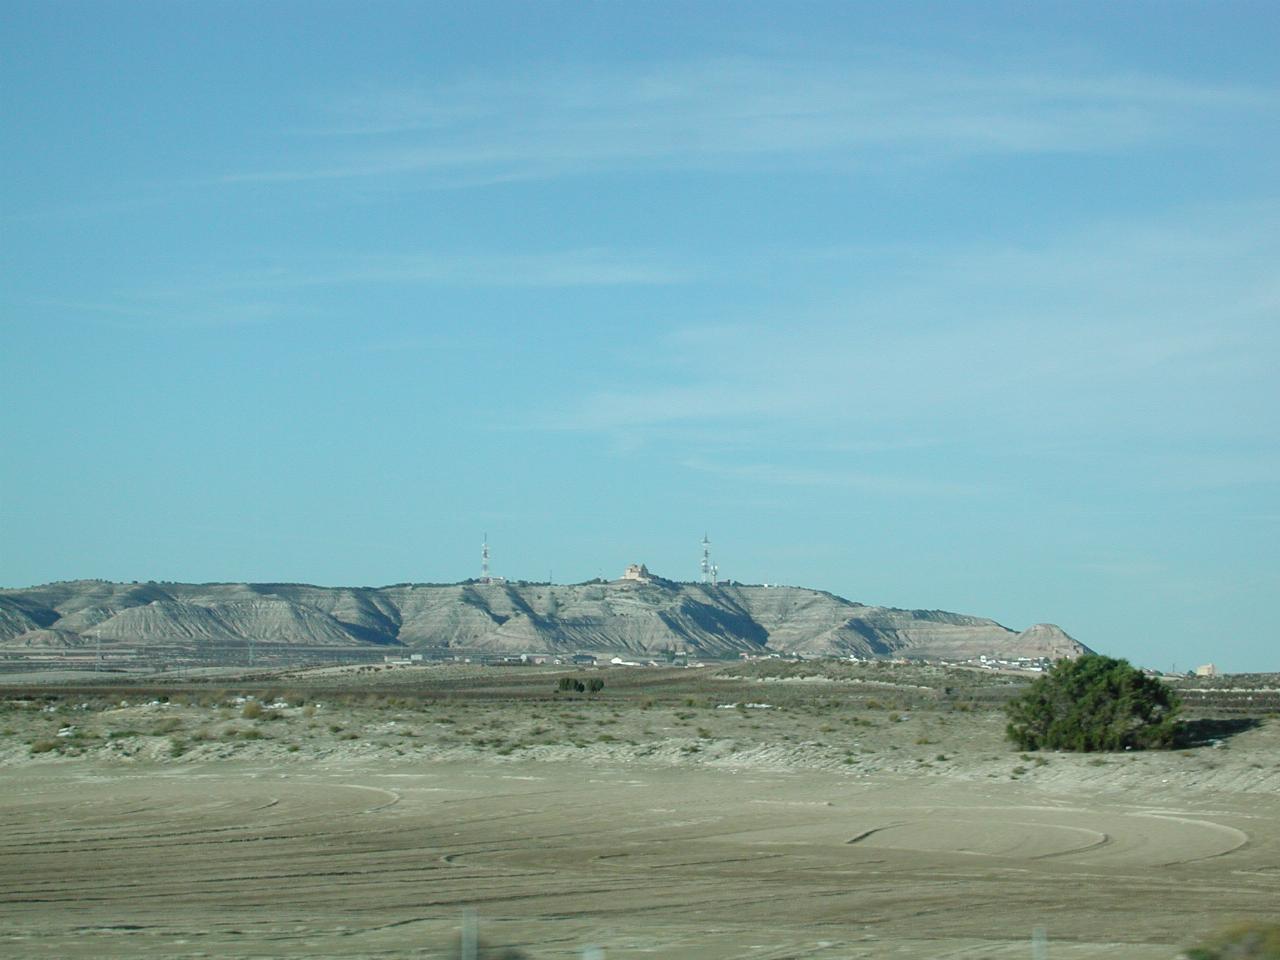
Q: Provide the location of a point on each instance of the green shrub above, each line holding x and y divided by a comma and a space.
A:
1255, 941
1093, 703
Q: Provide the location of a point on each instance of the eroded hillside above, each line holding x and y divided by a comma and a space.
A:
622, 616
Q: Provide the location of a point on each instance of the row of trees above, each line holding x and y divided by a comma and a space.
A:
573, 685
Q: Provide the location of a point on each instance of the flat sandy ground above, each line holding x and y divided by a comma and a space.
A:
649, 829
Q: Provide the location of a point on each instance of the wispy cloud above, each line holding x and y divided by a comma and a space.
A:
583, 267
138, 310
242, 295
1159, 331
587, 267
552, 122
775, 474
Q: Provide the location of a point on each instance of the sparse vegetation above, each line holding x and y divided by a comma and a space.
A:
1250, 941
813, 742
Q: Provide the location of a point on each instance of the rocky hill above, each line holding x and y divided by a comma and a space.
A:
629, 616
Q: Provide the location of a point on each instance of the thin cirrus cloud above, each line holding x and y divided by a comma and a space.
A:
1150, 329
587, 267
552, 123
774, 474
581, 267
260, 295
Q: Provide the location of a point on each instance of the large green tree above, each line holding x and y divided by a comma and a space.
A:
1093, 703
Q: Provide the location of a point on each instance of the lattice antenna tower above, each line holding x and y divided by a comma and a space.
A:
708, 571
484, 560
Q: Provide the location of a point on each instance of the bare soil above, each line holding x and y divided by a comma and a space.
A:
750, 813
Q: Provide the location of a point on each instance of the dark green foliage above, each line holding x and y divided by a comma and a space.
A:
1259, 941
1093, 703
572, 685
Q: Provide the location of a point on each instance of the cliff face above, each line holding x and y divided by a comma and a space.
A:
625, 616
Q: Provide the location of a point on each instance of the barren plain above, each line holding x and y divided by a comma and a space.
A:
755, 811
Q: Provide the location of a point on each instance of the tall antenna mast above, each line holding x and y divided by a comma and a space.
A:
706, 560
484, 560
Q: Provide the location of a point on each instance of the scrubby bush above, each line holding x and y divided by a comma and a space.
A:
570, 685
1093, 703
595, 685
1254, 941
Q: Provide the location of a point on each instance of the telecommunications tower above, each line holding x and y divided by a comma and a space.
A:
710, 571
484, 560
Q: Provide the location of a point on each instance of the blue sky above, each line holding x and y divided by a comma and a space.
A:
958, 306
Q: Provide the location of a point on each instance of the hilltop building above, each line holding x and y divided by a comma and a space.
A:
638, 572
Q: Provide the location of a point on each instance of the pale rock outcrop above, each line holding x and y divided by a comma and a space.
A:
637, 616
